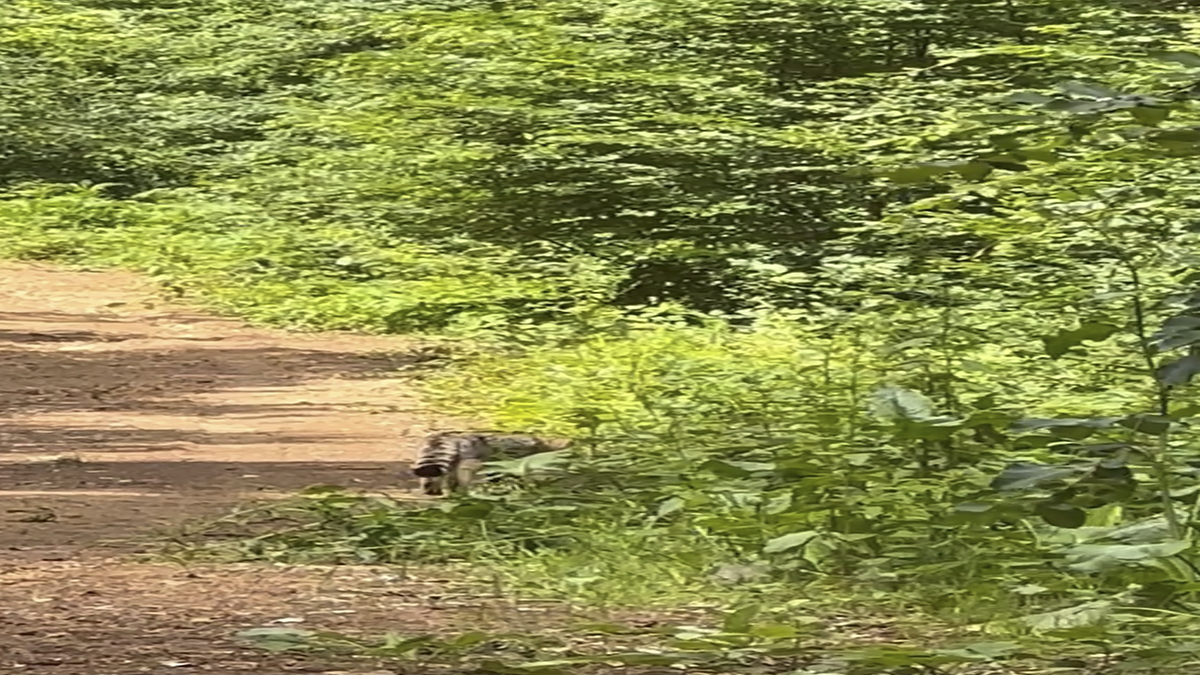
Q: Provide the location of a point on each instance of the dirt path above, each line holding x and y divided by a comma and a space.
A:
121, 415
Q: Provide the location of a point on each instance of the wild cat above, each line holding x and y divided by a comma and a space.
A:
450, 460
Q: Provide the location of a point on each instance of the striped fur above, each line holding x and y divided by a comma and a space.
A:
450, 460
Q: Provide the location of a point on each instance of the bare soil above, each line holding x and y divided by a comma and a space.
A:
122, 416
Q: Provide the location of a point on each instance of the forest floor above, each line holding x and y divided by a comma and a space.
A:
123, 416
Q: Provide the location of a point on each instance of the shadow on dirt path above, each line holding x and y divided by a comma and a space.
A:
121, 415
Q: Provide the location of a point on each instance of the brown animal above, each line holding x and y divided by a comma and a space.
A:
450, 460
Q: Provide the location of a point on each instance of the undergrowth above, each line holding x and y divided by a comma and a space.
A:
303, 277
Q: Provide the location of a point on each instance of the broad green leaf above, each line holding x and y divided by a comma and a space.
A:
1185, 411
788, 542
1093, 558
917, 174
1006, 165
735, 469
1150, 116
974, 171
1033, 424
1181, 135
1091, 90
1181, 323
1089, 107
1178, 569
469, 639
1188, 59
1178, 338
1062, 515
539, 462
1155, 425
1029, 97
1027, 475
900, 403
779, 503
1180, 371
1112, 470
669, 506
753, 467
1176, 332
1109, 515
740, 620
1086, 614
1063, 341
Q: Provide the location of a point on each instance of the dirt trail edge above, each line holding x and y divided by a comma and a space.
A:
121, 415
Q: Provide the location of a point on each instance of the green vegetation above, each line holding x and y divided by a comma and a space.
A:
889, 302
